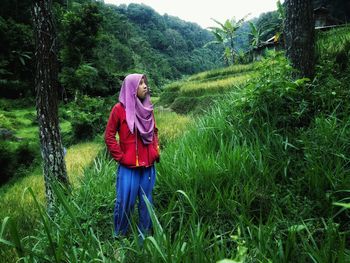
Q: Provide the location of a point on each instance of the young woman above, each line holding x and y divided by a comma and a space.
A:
136, 152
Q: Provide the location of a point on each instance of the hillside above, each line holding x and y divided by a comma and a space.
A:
262, 176
198, 92
99, 44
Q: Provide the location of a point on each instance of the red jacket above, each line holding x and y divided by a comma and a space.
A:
126, 151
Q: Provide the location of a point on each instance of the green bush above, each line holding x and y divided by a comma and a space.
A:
8, 161
67, 138
184, 105
6, 122
168, 97
204, 103
88, 117
16, 157
84, 127
32, 116
274, 97
27, 154
9, 104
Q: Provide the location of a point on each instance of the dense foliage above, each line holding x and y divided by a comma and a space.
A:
99, 44
339, 9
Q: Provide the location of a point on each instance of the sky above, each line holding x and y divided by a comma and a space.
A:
201, 11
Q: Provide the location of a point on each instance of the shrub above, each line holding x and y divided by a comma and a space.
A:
88, 117
274, 97
27, 154
32, 117
168, 97
84, 126
6, 123
8, 161
184, 105
205, 103
14, 158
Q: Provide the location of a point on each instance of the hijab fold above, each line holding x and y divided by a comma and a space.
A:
139, 113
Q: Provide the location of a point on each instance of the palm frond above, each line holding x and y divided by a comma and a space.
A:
214, 42
218, 37
219, 23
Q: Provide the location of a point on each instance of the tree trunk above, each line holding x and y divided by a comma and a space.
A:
232, 50
46, 85
300, 36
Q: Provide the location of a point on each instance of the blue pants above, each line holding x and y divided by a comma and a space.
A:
133, 182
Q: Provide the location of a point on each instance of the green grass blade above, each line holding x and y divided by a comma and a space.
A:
155, 244
188, 199
45, 223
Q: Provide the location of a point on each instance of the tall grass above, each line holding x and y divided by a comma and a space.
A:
22, 209
330, 44
78, 157
266, 161
77, 236
170, 125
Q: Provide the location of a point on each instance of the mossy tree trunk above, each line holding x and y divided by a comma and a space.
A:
300, 36
46, 86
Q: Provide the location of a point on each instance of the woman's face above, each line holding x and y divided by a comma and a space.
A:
142, 89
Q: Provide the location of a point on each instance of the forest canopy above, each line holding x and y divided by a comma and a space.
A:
99, 44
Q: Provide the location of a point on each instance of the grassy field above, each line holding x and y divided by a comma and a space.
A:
20, 206
262, 176
170, 125
78, 157
197, 93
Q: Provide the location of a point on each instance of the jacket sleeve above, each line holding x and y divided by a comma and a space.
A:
112, 127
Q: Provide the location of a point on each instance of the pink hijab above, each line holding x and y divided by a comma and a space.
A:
138, 113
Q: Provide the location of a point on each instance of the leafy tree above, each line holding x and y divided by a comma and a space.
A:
225, 35
18, 10
79, 37
174, 40
270, 24
255, 34
112, 55
16, 51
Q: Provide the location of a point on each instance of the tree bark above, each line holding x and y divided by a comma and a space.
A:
300, 36
46, 86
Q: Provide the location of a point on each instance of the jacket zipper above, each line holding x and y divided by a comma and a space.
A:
137, 153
